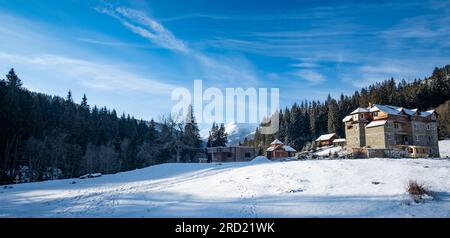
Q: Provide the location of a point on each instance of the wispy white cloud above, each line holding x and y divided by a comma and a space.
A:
306, 65
420, 27
218, 68
309, 75
91, 74
145, 26
113, 43
368, 74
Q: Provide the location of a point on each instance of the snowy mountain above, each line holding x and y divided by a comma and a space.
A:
237, 132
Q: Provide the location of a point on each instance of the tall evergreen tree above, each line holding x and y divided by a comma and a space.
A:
191, 136
332, 124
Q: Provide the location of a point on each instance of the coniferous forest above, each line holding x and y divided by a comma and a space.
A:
303, 123
46, 137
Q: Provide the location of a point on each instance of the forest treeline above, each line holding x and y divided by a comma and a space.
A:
304, 122
46, 137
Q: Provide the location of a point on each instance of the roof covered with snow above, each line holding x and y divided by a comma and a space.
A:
359, 110
385, 108
347, 118
339, 140
376, 123
394, 110
276, 142
325, 137
288, 148
284, 147
427, 113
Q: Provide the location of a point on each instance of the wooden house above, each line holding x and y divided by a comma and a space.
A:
279, 150
326, 139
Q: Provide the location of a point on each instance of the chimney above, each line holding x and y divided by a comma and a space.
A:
370, 105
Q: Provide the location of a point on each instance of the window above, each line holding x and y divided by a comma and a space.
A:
417, 138
229, 155
375, 114
428, 127
396, 125
362, 116
429, 138
247, 155
415, 126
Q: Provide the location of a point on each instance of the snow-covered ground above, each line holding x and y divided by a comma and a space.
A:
327, 151
444, 148
317, 188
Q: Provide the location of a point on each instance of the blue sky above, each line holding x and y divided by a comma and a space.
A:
129, 55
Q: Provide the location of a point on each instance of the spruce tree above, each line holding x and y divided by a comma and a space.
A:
191, 132
12, 80
332, 116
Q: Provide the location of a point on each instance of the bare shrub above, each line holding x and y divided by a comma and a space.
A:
418, 191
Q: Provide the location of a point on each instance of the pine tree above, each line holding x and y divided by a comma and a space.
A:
191, 136
84, 103
12, 80
69, 98
218, 136
332, 116
222, 138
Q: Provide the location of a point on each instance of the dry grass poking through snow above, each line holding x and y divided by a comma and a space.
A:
418, 191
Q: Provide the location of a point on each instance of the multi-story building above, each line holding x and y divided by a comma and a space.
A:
390, 128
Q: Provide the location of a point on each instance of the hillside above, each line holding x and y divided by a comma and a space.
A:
332, 188
237, 132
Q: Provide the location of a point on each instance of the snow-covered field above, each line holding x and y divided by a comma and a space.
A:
444, 148
318, 188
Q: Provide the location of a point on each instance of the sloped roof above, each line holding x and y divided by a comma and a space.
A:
347, 118
410, 111
394, 110
359, 110
276, 142
427, 113
376, 123
284, 147
288, 148
272, 148
325, 137
385, 108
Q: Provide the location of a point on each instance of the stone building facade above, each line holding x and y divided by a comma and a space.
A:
393, 128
